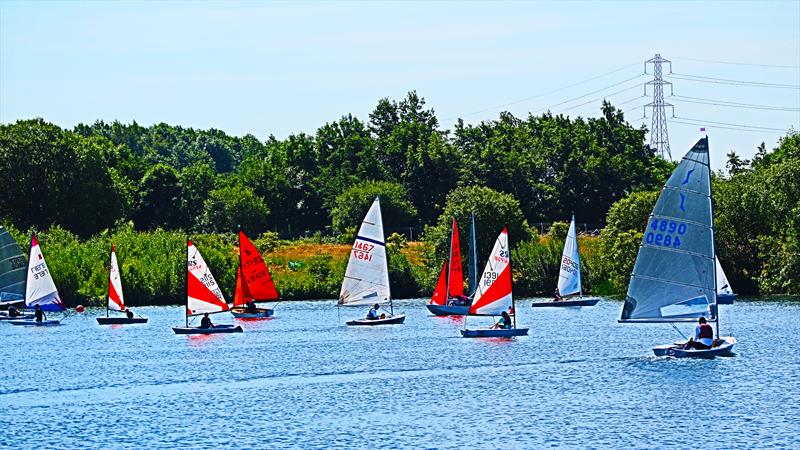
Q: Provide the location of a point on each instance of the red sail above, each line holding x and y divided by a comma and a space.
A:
456, 275
242, 294
257, 282
439, 296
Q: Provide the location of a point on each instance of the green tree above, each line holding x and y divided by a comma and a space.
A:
352, 204
228, 208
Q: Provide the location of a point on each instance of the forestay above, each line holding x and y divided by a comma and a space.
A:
115, 297
12, 269
569, 277
203, 293
366, 280
723, 286
673, 277
494, 291
39, 288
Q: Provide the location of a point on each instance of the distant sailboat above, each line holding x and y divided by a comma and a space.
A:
674, 277
253, 282
494, 295
12, 274
115, 298
203, 295
448, 298
725, 295
366, 279
40, 290
569, 276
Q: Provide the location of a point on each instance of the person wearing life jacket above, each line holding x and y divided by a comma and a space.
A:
13, 311
557, 296
703, 336
373, 313
205, 322
504, 323
40, 317
128, 313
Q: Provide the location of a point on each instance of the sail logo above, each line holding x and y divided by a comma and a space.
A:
688, 174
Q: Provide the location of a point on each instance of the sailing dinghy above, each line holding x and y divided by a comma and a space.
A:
674, 277
203, 295
253, 282
366, 279
448, 298
725, 295
115, 300
494, 295
40, 290
569, 276
12, 274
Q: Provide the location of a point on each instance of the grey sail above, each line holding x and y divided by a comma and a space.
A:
673, 278
13, 266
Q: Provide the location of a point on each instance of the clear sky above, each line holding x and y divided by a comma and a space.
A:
287, 67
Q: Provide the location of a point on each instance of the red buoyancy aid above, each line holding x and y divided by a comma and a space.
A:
706, 331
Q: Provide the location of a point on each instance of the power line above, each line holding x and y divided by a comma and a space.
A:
705, 101
694, 124
635, 86
738, 63
702, 121
699, 78
545, 93
591, 93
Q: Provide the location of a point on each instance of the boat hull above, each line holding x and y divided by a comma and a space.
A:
725, 299
589, 301
676, 350
120, 320
216, 329
33, 323
448, 310
19, 317
494, 332
261, 313
392, 320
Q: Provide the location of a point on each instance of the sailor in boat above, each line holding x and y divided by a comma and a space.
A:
504, 323
205, 322
373, 313
557, 296
40, 317
703, 336
13, 311
250, 307
129, 313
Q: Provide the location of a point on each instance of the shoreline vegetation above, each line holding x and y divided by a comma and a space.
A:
300, 200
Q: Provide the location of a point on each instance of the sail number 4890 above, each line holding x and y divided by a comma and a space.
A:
665, 233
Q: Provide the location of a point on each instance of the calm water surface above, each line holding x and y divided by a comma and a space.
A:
304, 379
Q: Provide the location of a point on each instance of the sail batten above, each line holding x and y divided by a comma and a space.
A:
673, 277
366, 279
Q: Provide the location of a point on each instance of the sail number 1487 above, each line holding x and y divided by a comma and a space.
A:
665, 233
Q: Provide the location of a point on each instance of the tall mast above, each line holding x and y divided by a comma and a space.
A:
108, 290
713, 244
511, 275
474, 255
578, 247
186, 285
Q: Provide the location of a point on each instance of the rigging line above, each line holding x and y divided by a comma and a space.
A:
730, 102
590, 93
701, 121
721, 126
728, 80
546, 93
636, 86
737, 63
766, 108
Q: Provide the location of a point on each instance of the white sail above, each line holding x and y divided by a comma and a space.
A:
494, 294
673, 277
203, 292
40, 288
569, 277
12, 269
116, 301
366, 280
723, 287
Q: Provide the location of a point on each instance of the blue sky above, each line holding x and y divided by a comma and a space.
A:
280, 68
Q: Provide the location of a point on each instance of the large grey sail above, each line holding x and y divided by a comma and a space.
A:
673, 278
12, 269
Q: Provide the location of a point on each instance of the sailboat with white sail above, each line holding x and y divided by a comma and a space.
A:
12, 275
494, 296
569, 276
448, 297
366, 279
203, 296
725, 295
40, 290
674, 277
115, 300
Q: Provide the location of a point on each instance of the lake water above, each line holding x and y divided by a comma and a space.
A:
305, 380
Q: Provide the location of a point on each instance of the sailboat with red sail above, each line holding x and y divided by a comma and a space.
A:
448, 298
253, 283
